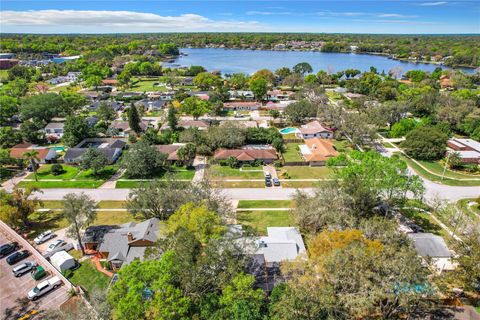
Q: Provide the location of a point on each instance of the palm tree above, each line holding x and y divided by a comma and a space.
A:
187, 153
32, 157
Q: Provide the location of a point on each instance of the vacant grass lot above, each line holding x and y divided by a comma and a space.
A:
300, 184
62, 184
435, 178
292, 154
238, 184
249, 204
88, 277
258, 221
306, 172
142, 85
225, 172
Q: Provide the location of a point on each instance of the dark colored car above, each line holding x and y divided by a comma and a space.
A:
17, 256
276, 182
268, 183
8, 248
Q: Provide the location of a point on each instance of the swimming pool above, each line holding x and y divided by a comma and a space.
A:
288, 130
58, 148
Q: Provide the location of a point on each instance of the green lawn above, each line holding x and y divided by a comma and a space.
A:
3, 75
104, 174
425, 221
238, 184
300, 184
88, 277
342, 145
145, 85
447, 181
258, 221
43, 173
225, 172
179, 173
292, 154
248, 204
306, 172
473, 210
106, 204
289, 136
437, 168
61, 184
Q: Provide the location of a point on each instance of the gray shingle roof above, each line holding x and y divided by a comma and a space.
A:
430, 245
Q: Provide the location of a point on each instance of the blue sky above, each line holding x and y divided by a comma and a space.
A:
120, 16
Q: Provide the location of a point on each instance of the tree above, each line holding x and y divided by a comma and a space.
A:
17, 206
172, 118
302, 68
293, 80
403, 127
206, 80
187, 153
75, 130
311, 79
259, 88
124, 78
161, 198
31, 157
8, 108
279, 145
454, 160
93, 159
80, 211
198, 220
298, 112
194, 70
416, 75
391, 112
468, 255
42, 107
195, 106
425, 143
225, 136
274, 113
134, 119
143, 161
72, 101
264, 74
283, 72
239, 299
9, 137
56, 169
106, 113
31, 132
238, 80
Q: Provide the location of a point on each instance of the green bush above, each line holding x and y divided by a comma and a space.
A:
56, 169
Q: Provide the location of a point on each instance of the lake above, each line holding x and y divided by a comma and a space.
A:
249, 61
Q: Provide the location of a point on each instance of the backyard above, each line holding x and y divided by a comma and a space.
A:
258, 221
292, 154
88, 277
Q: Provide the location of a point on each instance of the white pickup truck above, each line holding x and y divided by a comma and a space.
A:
44, 287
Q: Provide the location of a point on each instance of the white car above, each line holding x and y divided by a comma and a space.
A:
44, 287
54, 245
23, 268
44, 236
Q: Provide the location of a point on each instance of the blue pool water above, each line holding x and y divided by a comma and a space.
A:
58, 148
288, 130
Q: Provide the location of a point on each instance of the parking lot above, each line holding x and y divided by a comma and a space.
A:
13, 294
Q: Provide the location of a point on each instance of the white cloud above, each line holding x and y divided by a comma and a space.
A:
270, 13
339, 14
120, 21
430, 4
395, 15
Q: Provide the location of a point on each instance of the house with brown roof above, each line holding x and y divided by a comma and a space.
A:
45, 155
171, 151
124, 129
445, 82
317, 151
241, 105
110, 82
467, 149
314, 129
280, 95
246, 155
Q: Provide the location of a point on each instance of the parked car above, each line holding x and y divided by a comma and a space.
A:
5, 249
38, 273
23, 268
268, 183
268, 175
276, 182
44, 236
44, 287
54, 245
17, 256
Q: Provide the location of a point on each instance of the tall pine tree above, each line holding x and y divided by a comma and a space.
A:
172, 118
134, 119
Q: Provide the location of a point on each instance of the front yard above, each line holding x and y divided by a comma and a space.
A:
218, 172
258, 221
178, 173
248, 204
304, 172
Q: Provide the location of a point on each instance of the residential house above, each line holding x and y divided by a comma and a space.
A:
186, 124
110, 82
247, 155
70, 77
123, 128
45, 155
241, 95
434, 248
54, 129
280, 95
242, 105
171, 151
115, 105
314, 129
110, 147
120, 245
281, 244
468, 149
152, 105
317, 151
445, 82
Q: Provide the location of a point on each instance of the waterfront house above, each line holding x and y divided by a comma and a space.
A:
314, 129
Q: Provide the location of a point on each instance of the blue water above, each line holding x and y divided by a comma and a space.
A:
249, 61
58, 148
288, 130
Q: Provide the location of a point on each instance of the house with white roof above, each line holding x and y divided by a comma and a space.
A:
468, 149
281, 244
314, 129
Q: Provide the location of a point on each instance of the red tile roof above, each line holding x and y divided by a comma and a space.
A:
313, 127
321, 150
246, 154
18, 153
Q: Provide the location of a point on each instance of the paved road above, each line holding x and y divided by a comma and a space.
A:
433, 191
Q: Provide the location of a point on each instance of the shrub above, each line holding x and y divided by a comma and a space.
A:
56, 169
